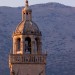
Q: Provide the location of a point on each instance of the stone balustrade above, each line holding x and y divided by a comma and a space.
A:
27, 58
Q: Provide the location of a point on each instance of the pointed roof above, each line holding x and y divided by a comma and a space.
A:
27, 26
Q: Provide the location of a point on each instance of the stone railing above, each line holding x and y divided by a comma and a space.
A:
28, 58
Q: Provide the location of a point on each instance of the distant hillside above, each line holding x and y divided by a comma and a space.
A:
57, 24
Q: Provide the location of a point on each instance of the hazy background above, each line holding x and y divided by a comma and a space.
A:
57, 25
17, 3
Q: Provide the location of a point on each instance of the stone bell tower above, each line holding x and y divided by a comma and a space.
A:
26, 57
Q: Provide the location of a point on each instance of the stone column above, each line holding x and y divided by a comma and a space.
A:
22, 45
14, 46
39, 47
32, 45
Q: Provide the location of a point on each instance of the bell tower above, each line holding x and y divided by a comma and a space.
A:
26, 57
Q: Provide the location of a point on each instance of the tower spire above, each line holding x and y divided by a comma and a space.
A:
26, 12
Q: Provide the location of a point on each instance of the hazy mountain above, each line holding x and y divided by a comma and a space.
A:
57, 24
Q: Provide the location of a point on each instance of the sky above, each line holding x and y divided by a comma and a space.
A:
18, 3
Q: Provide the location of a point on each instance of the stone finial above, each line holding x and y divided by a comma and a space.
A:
26, 3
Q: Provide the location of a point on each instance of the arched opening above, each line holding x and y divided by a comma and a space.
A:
27, 16
37, 44
27, 45
18, 44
